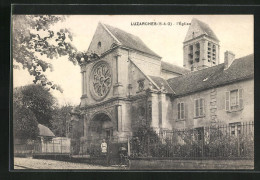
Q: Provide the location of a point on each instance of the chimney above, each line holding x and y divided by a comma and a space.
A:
229, 57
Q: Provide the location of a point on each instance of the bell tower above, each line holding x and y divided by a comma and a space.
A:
200, 47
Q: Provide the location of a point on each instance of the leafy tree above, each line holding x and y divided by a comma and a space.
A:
35, 43
59, 119
25, 124
39, 101
142, 137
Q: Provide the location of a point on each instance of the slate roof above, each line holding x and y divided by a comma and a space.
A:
174, 68
45, 131
207, 30
162, 82
240, 69
129, 40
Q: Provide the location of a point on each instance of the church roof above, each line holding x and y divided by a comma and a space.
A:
45, 131
162, 82
129, 40
240, 69
204, 29
174, 68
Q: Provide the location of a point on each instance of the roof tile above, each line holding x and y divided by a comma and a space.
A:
174, 68
130, 41
45, 131
240, 69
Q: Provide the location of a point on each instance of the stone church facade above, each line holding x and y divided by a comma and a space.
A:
129, 85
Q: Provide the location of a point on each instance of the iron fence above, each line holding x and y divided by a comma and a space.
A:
59, 145
224, 141
23, 149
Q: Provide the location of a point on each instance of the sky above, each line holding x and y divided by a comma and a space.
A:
235, 33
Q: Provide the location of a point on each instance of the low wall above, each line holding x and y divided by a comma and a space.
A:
152, 164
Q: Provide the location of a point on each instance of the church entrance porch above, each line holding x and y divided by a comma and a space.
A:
101, 127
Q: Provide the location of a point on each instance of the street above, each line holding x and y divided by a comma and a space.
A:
29, 163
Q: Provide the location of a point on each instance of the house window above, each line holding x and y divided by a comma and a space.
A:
140, 85
199, 107
235, 128
234, 100
180, 111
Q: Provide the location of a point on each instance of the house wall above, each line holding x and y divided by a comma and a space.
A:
215, 107
247, 113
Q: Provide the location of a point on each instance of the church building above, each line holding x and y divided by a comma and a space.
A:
129, 85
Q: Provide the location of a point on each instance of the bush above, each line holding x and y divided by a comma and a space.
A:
191, 144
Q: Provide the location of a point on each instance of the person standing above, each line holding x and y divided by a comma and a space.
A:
104, 148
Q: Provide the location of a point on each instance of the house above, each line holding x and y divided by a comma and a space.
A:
129, 85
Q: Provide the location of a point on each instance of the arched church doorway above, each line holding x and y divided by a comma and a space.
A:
101, 127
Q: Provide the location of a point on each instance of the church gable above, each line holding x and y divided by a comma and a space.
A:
139, 81
102, 40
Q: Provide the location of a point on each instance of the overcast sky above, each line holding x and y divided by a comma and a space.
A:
235, 33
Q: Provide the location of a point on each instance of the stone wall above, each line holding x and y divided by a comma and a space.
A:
168, 164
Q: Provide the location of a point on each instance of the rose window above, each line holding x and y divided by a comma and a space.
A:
101, 80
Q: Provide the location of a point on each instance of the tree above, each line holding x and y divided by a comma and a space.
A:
59, 120
35, 43
25, 124
40, 101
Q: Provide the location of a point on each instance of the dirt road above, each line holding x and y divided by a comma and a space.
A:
29, 163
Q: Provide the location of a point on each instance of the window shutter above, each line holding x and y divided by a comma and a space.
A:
227, 100
241, 98
185, 111
182, 110
178, 110
196, 108
201, 107
204, 107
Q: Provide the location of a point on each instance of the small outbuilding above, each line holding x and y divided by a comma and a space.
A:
49, 143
